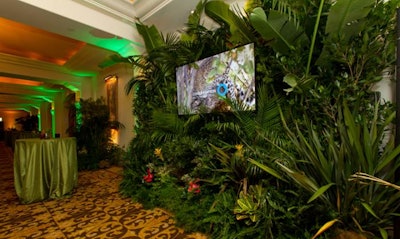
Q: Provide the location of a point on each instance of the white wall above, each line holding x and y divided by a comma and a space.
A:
89, 88
61, 113
387, 86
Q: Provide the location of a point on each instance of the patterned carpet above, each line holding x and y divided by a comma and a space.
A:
95, 210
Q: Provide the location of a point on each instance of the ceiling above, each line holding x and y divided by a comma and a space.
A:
47, 46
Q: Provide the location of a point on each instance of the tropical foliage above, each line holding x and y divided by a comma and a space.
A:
300, 165
93, 133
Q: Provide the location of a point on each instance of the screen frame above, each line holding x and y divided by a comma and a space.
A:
242, 78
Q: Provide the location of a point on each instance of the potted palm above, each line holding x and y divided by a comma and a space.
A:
93, 133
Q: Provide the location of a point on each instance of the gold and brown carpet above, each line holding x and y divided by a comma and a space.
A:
95, 210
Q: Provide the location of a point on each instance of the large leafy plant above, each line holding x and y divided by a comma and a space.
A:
341, 67
325, 165
93, 133
309, 61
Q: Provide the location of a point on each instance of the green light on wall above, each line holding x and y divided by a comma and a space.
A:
53, 123
46, 99
72, 87
122, 46
83, 74
39, 123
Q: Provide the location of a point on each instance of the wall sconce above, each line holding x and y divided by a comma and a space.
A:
110, 78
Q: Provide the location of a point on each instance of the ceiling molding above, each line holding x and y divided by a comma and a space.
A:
118, 9
74, 19
35, 70
153, 9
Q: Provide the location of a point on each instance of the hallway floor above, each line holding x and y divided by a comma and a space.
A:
95, 210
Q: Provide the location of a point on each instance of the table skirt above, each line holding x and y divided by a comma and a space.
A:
45, 168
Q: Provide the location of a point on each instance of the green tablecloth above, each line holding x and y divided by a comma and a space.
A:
45, 168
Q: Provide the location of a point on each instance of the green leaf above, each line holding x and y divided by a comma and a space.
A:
195, 17
266, 169
353, 132
241, 217
222, 156
383, 233
277, 28
193, 21
244, 205
301, 179
291, 80
345, 17
151, 36
319, 192
254, 217
369, 209
220, 12
388, 159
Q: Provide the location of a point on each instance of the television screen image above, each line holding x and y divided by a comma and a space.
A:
215, 83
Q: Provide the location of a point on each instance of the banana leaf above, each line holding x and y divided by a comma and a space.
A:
282, 33
221, 13
193, 21
345, 17
151, 36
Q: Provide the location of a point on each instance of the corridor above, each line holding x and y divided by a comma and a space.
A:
95, 210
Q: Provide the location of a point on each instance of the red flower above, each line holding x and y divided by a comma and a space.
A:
194, 187
149, 177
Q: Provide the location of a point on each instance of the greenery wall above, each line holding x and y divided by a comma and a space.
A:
317, 157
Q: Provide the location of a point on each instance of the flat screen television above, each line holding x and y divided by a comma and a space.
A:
224, 82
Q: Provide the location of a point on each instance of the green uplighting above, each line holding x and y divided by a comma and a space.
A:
53, 123
47, 90
83, 74
46, 99
39, 123
72, 87
122, 46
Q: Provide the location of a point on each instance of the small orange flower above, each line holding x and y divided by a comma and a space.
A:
158, 153
239, 147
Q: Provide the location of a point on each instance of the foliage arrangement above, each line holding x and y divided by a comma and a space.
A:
316, 157
93, 133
